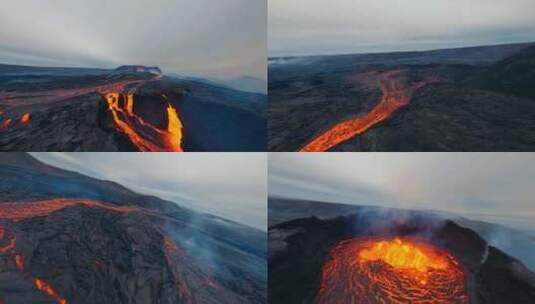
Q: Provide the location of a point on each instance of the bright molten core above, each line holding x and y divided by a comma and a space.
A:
391, 270
404, 255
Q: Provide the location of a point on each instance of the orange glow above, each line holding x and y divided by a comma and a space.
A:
120, 97
173, 254
24, 210
130, 104
144, 136
395, 95
174, 128
142, 144
48, 290
386, 270
25, 118
399, 254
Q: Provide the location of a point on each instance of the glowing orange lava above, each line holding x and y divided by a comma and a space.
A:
120, 97
385, 270
174, 129
173, 255
24, 210
144, 136
25, 118
395, 95
47, 289
399, 254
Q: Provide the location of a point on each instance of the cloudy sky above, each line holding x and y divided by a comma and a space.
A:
230, 185
207, 37
302, 27
495, 186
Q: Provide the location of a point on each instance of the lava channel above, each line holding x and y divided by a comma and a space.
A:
23, 210
145, 136
15, 211
391, 270
395, 95
120, 98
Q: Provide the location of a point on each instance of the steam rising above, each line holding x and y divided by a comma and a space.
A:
478, 185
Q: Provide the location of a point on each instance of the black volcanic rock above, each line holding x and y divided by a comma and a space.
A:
100, 242
133, 69
512, 75
476, 99
68, 111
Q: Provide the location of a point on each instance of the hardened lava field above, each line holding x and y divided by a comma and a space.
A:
391, 270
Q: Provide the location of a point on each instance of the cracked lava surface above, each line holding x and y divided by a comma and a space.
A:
391, 270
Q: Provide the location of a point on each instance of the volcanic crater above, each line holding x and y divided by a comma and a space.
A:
376, 255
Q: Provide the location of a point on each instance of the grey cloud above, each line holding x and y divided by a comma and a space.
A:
230, 185
213, 38
298, 27
480, 185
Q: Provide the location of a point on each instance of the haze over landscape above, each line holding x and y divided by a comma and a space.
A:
232, 186
495, 187
310, 27
202, 37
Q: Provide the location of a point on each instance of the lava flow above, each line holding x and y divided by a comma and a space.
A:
395, 95
23, 210
386, 270
146, 137
187, 279
120, 98
47, 289
15, 211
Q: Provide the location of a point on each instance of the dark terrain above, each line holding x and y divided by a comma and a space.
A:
68, 238
469, 99
303, 234
69, 109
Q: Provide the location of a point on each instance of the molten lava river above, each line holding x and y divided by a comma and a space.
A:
391, 270
120, 98
396, 94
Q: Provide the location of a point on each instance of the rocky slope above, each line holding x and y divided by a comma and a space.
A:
68, 238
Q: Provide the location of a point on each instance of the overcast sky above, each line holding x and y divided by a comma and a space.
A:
230, 185
497, 186
302, 27
213, 38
